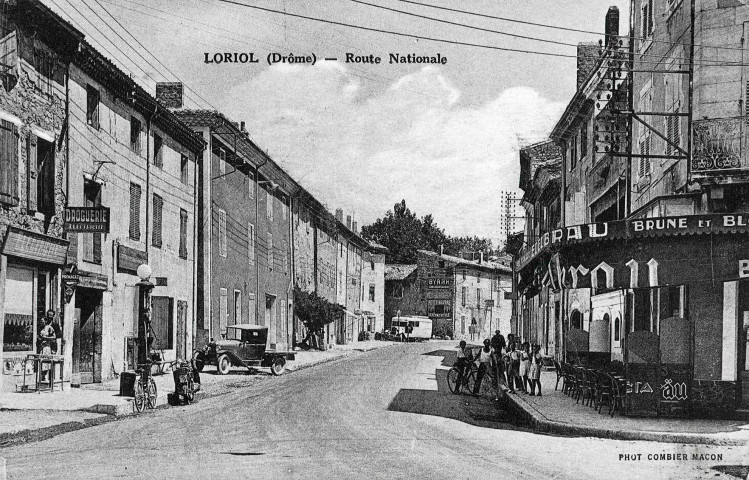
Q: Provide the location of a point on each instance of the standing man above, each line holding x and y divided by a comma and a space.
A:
498, 345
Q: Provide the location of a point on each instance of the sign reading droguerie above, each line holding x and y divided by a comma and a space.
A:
639, 228
87, 219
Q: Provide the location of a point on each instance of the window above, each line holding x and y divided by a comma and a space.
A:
478, 278
135, 192
584, 139
221, 233
478, 297
182, 233
223, 311
92, 241
643, 168
251, 243
397, 290
237, 308
647, 19
673, 132
44, 65
371, 292
184, 170
573, 153
158, 150
251, 185
617, 329
135, 129
222, 161
162, 322
41, 179
92, 106
271, 253
464, 274
269, 205
8, 163
464, 295
283, 209
285, 257
158, 205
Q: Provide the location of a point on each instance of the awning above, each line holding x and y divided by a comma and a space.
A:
349, 313
18, 319
34, 246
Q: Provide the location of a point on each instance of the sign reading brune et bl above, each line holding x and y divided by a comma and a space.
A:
87, 219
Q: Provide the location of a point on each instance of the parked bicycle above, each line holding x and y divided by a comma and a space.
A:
488, 385
145, 388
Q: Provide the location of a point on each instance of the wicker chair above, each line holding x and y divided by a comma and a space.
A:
560, 374
605, 391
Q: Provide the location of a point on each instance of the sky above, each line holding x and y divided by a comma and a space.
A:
361, 137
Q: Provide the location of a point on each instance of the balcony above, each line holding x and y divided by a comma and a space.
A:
718, 149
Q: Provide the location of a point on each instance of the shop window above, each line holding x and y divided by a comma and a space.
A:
19, 327
8, 163
92, 241
92, 106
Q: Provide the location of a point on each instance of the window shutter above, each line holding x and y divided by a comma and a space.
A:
31, 165
251, 243
270, 251
222, 233
669, 134
158, 204
182, 233
8, 163
46, 201
134, 211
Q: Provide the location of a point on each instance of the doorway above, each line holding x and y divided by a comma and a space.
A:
87, 327
181, 346
270, 317
743, 352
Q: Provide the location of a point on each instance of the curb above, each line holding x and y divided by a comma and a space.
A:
541, 424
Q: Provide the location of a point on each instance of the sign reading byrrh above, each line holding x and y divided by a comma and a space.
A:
87, 219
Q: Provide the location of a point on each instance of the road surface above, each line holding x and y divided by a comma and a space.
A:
380, 414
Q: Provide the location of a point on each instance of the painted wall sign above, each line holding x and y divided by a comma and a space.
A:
639, 228
129, 259
87, 219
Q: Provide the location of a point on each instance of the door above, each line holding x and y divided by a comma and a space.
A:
181, 346
270, 319
743, 352
88, 330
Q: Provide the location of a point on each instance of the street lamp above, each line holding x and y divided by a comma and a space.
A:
144, 311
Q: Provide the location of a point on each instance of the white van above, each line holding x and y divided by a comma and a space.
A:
422, 327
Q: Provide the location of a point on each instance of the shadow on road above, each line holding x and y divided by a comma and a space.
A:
481, 411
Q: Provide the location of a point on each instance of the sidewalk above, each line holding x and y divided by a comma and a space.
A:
27, 412
556, 413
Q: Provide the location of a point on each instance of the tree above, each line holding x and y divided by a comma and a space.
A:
313, 310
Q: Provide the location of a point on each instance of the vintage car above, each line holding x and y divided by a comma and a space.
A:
247, 351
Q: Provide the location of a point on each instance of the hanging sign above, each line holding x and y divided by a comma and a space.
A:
87, 219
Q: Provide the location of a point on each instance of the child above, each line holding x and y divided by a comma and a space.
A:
535, 371
462, 363
512, 375
525, 365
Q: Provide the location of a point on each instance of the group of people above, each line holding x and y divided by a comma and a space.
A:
515, 364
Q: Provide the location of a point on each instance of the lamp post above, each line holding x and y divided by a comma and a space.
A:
144, 311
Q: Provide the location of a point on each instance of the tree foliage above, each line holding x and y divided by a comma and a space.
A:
313, 310
403, 233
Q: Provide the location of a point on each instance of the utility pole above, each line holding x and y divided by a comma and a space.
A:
509, 204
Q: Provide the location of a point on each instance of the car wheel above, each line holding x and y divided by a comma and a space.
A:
279, 366
198, 360
223, 364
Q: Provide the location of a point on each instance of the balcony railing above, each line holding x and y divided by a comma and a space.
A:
718, 145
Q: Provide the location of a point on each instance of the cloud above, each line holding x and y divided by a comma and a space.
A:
414, 139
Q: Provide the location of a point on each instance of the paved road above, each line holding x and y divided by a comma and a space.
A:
380, 414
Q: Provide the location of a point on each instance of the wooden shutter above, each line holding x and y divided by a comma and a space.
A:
31, 165
162, 322
134, 211
182, 233
222, 233
270, 251
158, 204
92, 106
8, 163
251, 243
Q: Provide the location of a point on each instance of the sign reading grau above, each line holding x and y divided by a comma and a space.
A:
87, 219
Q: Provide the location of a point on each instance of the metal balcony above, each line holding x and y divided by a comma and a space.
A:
718, 148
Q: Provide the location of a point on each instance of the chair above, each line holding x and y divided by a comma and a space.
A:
605, 391
591, 377
560, 374
568, 387
580, 383
619, 395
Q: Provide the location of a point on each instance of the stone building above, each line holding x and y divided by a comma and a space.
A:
403, 294
36, 48
129, 153
373, 288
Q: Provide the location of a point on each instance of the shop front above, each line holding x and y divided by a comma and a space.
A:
29, 273
664, 298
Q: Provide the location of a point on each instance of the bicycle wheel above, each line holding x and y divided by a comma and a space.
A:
470, 382
151, 393
140, 397
452, 380
189, 392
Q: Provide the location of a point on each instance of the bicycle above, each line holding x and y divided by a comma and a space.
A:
468, 382
145, 389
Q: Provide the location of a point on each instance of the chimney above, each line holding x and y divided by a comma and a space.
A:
169, 94
241, 126
348, 222
442, 249
481, 257
587, 56
355, 227
612, 26
339, 214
